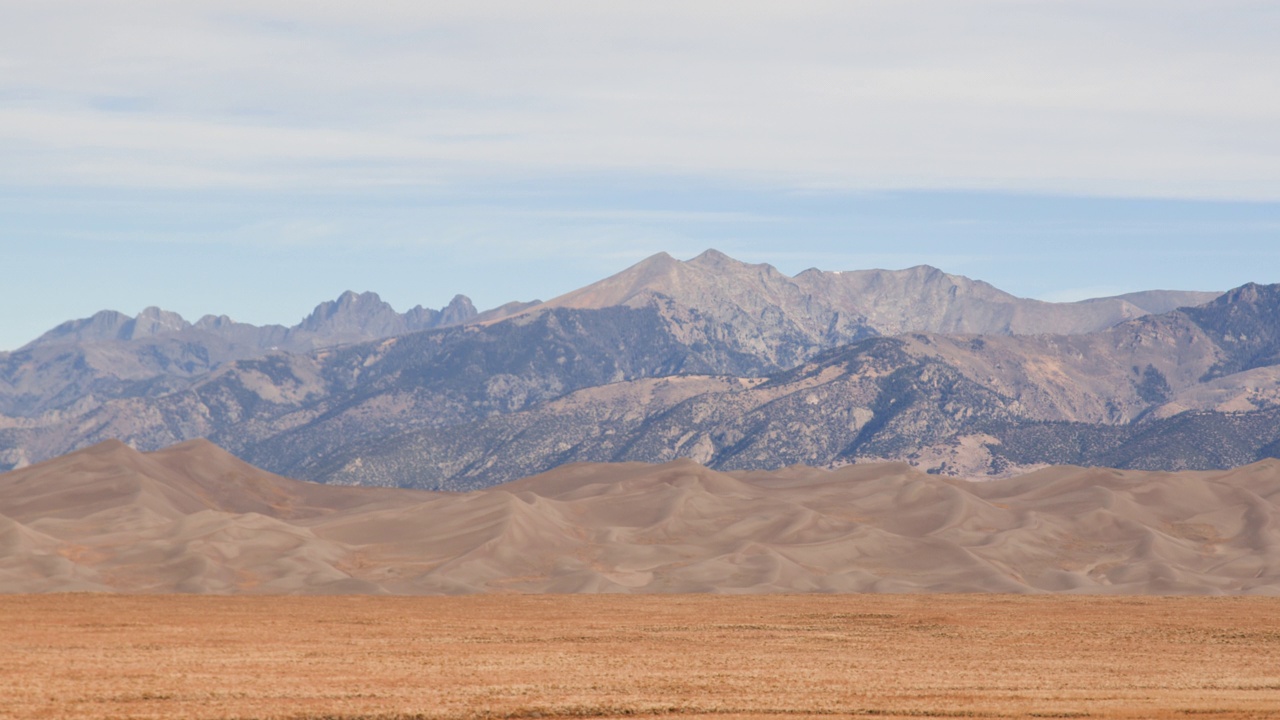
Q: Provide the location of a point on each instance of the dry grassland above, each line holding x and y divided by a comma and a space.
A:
110, 656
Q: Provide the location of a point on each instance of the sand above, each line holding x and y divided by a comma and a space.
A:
194, 519
342, 658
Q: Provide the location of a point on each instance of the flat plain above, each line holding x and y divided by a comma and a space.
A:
348, 657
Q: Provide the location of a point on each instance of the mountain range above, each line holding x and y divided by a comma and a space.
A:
351, 318
826, 308
1195, 388
194, 519
735, 365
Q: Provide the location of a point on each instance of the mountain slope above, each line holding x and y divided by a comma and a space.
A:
111, 355
285, 410
1144, 394
312, 399
827, 308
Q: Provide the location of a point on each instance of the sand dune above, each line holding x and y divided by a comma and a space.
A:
194, 519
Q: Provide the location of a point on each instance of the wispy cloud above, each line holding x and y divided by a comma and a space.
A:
1137, 98
181, 153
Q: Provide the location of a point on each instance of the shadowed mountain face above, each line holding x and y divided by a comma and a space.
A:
760, 370
299, 407
1147, 394
340, 394
194, 519
1243, 322
110, 355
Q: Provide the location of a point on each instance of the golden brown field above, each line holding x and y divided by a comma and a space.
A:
112, 656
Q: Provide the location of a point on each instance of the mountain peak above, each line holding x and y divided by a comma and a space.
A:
1250, 297
717, 263
1251, 294
361, 316
713, 258
1244, 319
154, 321
348, 311
926, 270
655, 261
350, 297
102, 325
458, 311
108, 325
213, 322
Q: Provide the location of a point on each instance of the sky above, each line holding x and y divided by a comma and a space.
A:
257, 158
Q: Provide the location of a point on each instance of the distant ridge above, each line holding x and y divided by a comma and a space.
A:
822, 305
193, 519
352, 317
111, 355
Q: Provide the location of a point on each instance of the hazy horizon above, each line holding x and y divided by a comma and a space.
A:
263, 317
255, 159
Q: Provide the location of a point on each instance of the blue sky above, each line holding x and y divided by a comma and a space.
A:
257, 158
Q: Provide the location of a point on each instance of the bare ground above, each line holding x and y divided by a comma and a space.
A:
341, 658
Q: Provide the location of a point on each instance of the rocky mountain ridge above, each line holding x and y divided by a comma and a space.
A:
835, 307
352, 317
1150, 394
83, 363
449, 397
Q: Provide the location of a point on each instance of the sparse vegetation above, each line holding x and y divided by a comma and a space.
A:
988, 656
1154, 386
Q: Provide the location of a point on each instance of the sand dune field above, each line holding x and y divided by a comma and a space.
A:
195, 519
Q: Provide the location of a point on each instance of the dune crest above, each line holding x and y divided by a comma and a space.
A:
193, 518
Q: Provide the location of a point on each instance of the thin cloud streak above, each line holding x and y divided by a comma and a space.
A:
1172, 99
